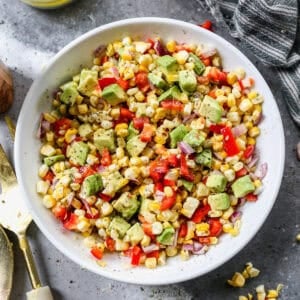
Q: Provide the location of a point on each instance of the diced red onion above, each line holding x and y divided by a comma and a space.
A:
242, 201
159, 195
44, 126
159, 48
101, 169
150, 248
175, 239
70, 198
239, 130
253, 161
87, 207
99, 51
236, 216
261, 172
186, 148
208, 51
115, 72
189, 118
199, 249
188, 247
298, 151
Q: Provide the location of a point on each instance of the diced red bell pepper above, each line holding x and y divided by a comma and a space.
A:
147, 133
207, 24
217, 76
49, 176
60, 212
212, 93
168, 202
104, 59
206, 61
71, 222
242, 172
92, 217
229, 143
215, 227
147, 229
241, 84
106, 81
136, 255
105, 197
126, 114
124, 84
171, 104
204, 240
154, 253
216, 128
158, 186
251, 197
151, 42
184, 170
158, 169
85, 171
142, 82
202, 80
62, 124
200, 213
110, 244
138, 123
97, 252
105, 157
173, 161
168, 182
249, 151
183, 230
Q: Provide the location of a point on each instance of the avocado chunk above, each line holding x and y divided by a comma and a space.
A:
204, 158
216, 182
199, 66
51, 160
113, 183
88, 82
114, 94
127, 205
187, 81
131, 131
85, 129
92, 185
78, 152
194, 139
188, 185
243, 186
157, 81
219, 201
69, 93
135, 233
104, 138
144, 208
119, 225
167, 64
211, 109
171, 93
177, 135
135, 146
167, 236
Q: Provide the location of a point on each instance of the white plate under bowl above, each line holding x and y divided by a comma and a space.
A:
67, 63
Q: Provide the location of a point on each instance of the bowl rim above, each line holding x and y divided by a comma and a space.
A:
18, 154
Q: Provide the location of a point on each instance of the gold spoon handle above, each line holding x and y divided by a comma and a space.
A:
24, 246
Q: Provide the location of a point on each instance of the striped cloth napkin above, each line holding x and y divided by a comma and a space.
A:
269, 29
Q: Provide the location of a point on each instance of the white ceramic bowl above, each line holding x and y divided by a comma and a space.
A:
67, 63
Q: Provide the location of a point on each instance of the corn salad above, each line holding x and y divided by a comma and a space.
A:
151, 151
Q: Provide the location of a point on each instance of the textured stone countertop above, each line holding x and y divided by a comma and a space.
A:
28, 38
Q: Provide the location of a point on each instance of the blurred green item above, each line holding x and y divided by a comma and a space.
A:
47, 4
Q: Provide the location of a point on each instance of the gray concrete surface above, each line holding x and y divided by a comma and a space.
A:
28, 37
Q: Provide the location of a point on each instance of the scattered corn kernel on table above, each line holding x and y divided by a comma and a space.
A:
28, 38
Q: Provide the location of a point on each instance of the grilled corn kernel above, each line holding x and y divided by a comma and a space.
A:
231, 78
181, 56
202, 227
171, 46
227, 214
254, 132
217, 146
43, 170
48, 117
47, 150
42, 187
171, 251
245, 105
162, 258
237, 280
151, 263
82, 108
106, 209
227, 228
50, 136
160, 114
238, 166
168, 191
231, 100
243, 298
157, 228
184, 254
48, 201
272, 294
70, 135
252, 95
